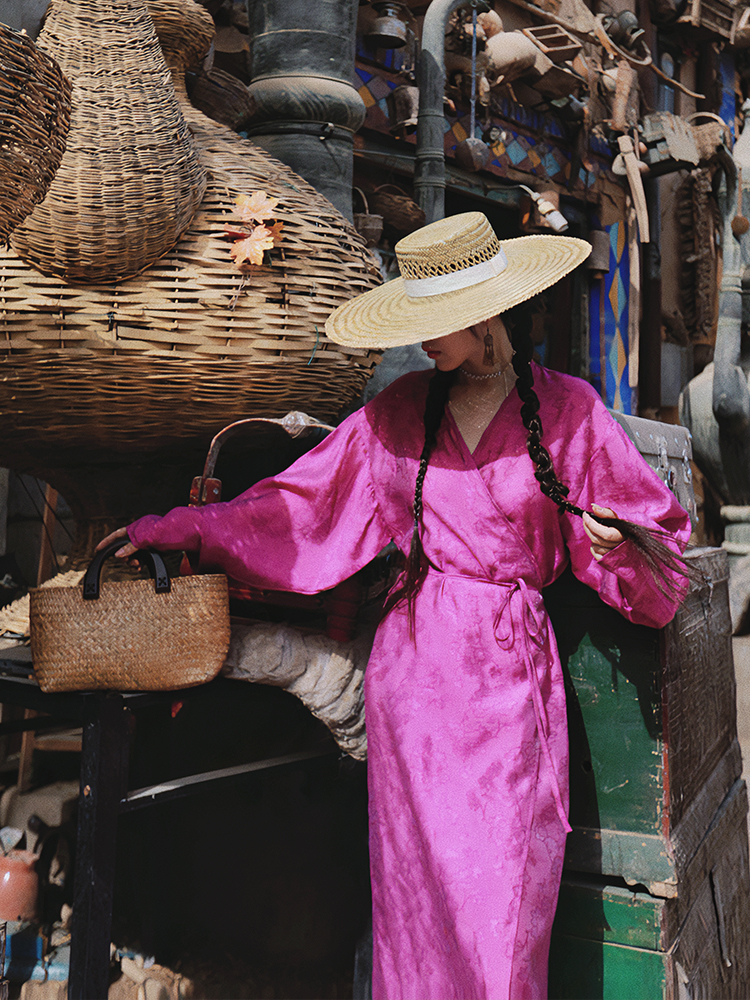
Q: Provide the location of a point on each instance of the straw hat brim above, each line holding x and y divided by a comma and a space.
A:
387, 317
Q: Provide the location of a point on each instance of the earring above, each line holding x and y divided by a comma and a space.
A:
489, 349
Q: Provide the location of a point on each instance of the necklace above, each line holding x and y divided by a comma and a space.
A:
475, 402
481, 378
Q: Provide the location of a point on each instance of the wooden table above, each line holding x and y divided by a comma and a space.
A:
104, 795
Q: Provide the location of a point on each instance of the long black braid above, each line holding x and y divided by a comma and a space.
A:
518, 322
660, 559
416, 561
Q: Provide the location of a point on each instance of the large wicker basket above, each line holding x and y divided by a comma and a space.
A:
106, 391
191, 343
130, 181
34, 122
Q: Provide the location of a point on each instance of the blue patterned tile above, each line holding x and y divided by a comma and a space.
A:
515, 152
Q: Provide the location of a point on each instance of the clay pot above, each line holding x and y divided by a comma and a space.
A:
19, 884
510, 55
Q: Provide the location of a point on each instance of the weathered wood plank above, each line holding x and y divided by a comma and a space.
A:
612, 943
651, 717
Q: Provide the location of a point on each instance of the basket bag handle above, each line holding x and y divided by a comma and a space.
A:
154, 562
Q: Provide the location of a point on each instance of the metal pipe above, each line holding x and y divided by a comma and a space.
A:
429, 170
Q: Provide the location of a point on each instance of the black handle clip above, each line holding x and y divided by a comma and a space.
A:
154, 562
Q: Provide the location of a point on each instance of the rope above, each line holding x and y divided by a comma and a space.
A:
472, 117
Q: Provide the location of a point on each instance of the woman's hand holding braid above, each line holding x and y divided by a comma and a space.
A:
603, 537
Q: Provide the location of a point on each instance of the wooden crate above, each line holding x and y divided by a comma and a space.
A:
652, 720
613, 943
554, 41
716, 16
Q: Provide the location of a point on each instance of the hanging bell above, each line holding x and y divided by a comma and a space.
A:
473, 154
403, 109
389, 30
630, 27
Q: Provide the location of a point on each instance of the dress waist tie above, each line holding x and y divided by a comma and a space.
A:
524, 617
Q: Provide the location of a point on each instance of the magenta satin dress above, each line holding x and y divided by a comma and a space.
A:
468, 754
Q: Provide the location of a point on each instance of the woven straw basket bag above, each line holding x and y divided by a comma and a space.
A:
138, 635
34, 122
398, 209
709, 133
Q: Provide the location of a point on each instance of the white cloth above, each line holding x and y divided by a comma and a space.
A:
326, 675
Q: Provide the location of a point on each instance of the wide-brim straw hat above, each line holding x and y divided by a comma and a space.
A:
454, 272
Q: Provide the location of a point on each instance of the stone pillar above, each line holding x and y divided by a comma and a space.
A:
736, 542
307, 107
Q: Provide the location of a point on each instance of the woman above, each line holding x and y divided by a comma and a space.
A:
464, 695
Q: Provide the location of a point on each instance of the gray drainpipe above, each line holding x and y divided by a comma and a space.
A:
715, 405
429, 170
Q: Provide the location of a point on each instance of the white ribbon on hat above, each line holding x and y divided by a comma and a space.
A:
417, 288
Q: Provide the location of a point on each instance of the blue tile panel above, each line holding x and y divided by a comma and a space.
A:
609, 314
727, 75
532, 142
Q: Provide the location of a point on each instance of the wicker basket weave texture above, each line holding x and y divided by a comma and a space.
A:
185, 31
191, 344
130, 639
130, 180
55, 409
34, 120
194, 301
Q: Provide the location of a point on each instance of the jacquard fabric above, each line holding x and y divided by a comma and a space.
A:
467, 740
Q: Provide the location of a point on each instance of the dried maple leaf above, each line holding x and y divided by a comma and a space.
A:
250, 251
275, 231
256, 207
232, 232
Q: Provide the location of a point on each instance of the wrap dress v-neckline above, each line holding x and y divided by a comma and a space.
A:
487, 431
466, 722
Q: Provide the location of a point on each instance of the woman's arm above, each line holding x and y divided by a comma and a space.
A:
613, 567
305, 530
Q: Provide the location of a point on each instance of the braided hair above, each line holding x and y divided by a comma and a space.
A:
416, 562
662, 562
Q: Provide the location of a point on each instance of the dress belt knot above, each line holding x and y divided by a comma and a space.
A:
521, 615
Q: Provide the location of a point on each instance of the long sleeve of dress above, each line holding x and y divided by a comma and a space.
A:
305, 530
618, 477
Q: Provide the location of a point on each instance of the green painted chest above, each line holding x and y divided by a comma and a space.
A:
658, 853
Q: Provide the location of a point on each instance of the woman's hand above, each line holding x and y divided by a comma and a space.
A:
128, 548
602, 536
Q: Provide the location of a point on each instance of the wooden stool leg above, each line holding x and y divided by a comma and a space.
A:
104, 775
26, 761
